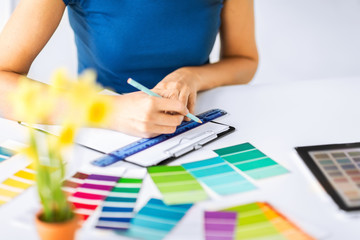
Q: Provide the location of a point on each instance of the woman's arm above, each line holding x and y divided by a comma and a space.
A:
239, 56
238, 60
24, 36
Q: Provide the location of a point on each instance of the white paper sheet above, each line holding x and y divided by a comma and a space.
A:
103, 140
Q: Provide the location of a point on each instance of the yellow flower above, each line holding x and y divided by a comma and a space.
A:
60, 81
30, 153
67, 134
31, 103
83, 91
99, 110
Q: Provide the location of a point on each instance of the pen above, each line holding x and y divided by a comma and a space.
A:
144, 89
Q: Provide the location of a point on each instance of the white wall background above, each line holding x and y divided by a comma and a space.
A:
60, 51
307, 39
297, 40
5, 9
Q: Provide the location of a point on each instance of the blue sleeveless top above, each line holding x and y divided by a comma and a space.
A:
142, 39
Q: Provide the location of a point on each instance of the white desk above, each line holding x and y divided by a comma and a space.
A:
275, 118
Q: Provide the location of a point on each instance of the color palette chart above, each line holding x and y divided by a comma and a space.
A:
219, 176
118, 208
5, 153
251, 161
177, 185
70, 185
90, 194
260, 220
342, 169
156, 219
16, 184
220, 225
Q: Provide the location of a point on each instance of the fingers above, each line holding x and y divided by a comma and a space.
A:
184, 97
191, 103
170, 105
148, 130
145, 116
163, 119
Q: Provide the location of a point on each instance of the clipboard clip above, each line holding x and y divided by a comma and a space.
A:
188, 144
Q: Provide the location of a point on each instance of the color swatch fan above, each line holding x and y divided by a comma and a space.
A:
219, 176
118, 208
251, 161
260, 220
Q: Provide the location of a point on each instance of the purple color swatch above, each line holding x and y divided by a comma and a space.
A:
97, 187
220, 225
103, 178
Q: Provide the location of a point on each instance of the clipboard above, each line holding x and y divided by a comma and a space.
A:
188, 137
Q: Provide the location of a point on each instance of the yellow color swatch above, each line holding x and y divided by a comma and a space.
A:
7, 193
25, 175
32, 166
15, 183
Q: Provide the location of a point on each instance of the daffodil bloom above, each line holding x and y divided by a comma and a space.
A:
99, 110
31, 103
60, 82
84, 90
67, 135
79, 103
30, 153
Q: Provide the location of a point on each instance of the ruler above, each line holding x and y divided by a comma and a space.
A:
145, 143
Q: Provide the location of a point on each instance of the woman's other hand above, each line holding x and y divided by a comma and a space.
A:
181, 85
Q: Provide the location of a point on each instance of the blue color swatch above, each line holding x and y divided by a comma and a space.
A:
156, 219
219, 176
5, 153
118, 208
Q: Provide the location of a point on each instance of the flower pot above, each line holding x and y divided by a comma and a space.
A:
57, 231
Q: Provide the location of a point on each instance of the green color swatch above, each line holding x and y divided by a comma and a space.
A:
253, 223
251, 161
235, 148
177, 185
260, 221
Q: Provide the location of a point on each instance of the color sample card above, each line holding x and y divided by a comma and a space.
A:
5, 153
342, 169
70, 185
90, 194
177, 185
16, 184
337, 168
251, 161
156, 219
219, 176
118, 208
220, 225
261, 221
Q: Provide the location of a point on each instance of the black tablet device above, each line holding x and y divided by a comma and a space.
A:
337, 168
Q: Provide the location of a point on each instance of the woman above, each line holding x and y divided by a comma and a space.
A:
163, 44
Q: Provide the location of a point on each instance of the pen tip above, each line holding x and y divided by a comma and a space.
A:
200, 121
129, 80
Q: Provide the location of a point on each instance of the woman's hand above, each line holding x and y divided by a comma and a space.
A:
141, 115
181, 85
